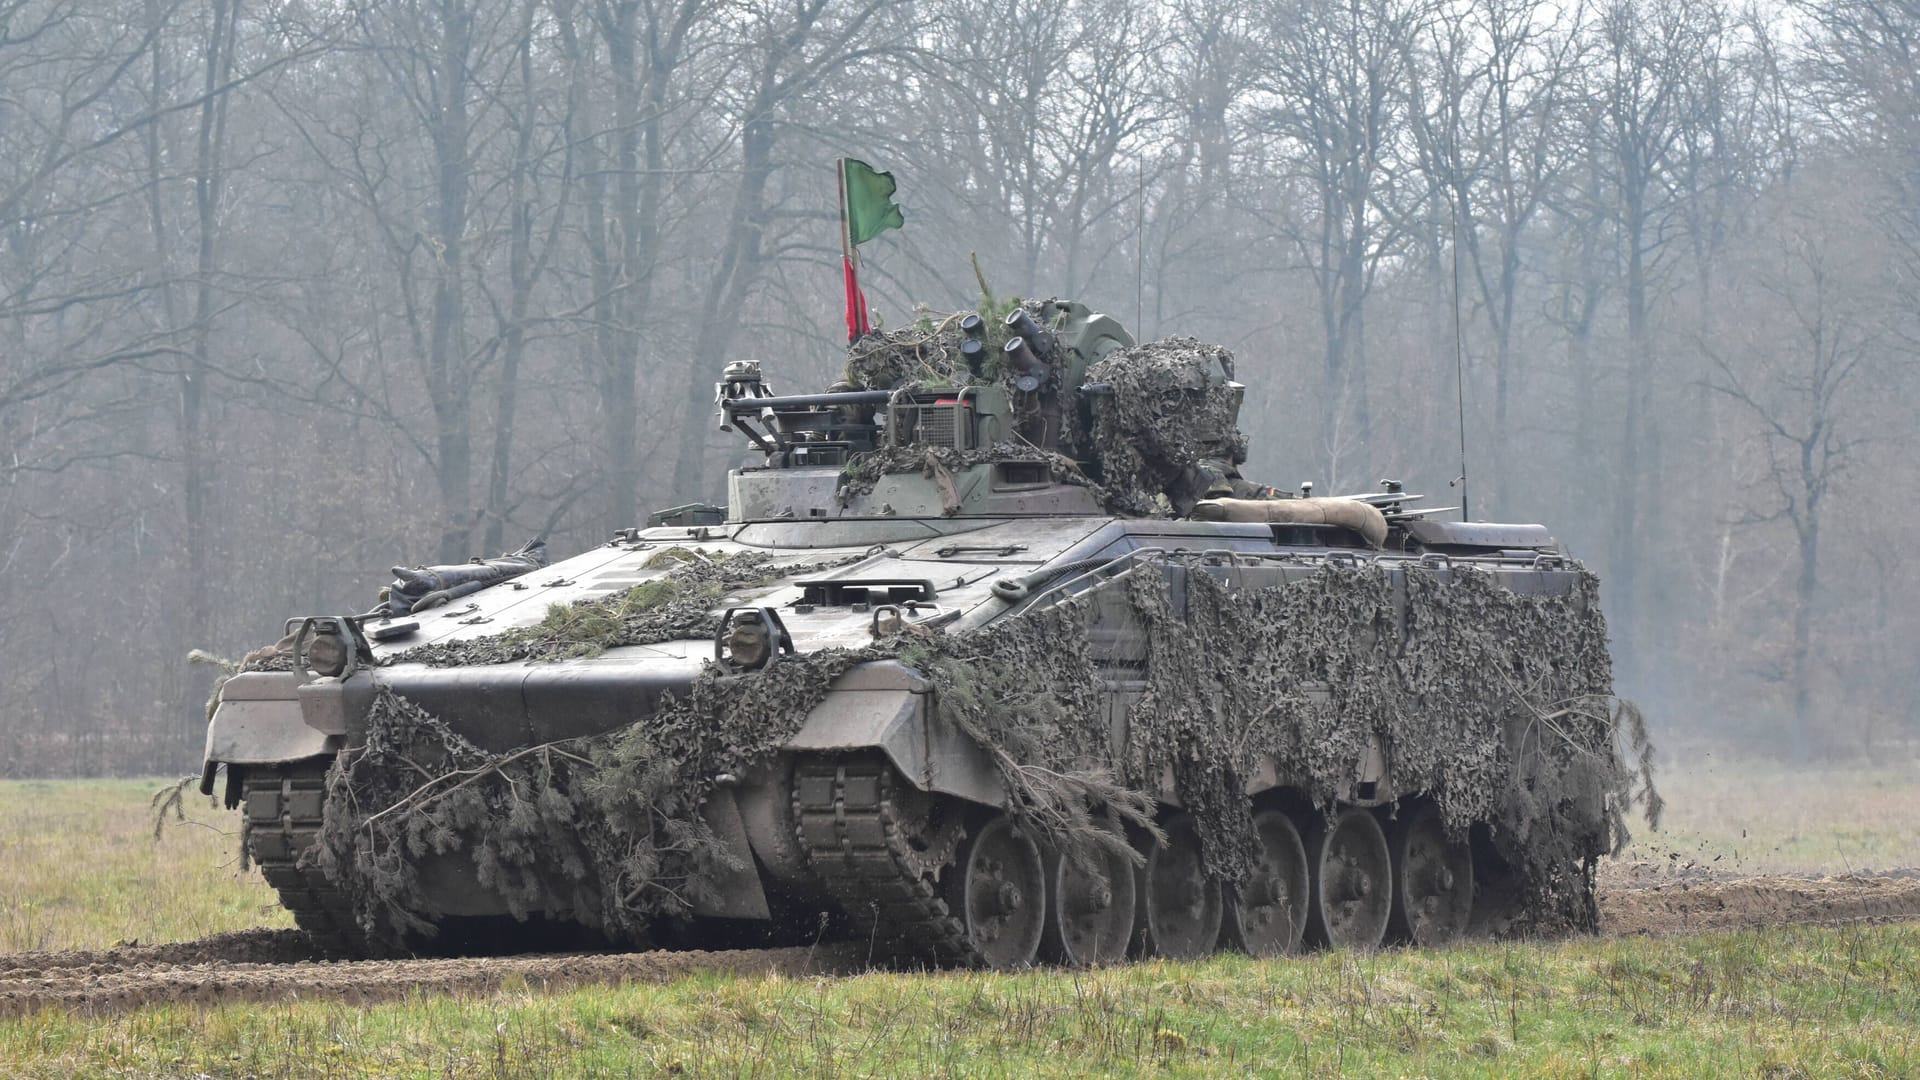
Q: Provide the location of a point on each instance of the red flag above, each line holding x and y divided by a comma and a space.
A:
856, 303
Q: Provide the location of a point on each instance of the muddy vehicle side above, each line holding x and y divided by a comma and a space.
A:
886, 810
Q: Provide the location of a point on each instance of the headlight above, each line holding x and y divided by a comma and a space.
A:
747, 645
327, 654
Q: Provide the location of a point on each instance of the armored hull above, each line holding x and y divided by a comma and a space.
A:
961, 709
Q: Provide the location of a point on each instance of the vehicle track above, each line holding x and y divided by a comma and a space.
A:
278, 965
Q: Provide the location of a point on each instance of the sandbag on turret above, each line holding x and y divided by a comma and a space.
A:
1349, 513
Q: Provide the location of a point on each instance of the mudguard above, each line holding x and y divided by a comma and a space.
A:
889, 707
260, 721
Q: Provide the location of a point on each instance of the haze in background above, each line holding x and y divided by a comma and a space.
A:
291, 293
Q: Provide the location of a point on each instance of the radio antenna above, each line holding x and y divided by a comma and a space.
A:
1459, 356
1140, 255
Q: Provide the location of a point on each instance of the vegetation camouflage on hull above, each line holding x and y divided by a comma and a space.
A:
676, 606
610, 825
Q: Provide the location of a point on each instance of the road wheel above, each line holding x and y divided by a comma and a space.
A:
998, 891
1432, 879
1351, 881
1181, 906
1269, 917
1089, 908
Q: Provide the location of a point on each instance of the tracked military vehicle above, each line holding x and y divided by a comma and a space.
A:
995, 658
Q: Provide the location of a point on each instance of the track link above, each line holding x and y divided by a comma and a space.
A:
284, 811
852, 830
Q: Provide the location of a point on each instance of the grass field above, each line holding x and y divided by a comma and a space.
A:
80, 868
1753, 816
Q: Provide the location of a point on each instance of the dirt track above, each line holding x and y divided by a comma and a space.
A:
1737, 903
274, 965
120, 979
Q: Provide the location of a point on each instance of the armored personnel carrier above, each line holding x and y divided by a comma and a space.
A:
996, 658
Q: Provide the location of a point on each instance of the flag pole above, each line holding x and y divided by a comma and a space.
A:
840, 174
846, 247
856, 303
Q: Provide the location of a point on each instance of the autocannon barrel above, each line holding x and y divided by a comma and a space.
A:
803, 401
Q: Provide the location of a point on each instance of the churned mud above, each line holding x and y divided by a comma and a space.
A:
276, 966
239, 947
120, 979
1692, 904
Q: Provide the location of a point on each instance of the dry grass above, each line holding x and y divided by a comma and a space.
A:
80, 867
1756, 816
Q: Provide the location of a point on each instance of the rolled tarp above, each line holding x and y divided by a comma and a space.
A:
422, 587
1347, 513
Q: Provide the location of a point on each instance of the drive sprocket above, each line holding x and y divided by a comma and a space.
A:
283, 812
875, 848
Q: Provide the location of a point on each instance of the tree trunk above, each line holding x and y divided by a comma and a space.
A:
178, 692
520, 277
1805, 595
447, 375
1625, 535
726, 294
620, 363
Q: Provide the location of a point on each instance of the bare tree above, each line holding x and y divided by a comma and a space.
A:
291, 293
786, 50
539, 188
1489, 123
1800, 367
1645, 55
1334, 70
646, 47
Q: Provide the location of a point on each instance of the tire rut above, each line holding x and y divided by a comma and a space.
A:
111, 982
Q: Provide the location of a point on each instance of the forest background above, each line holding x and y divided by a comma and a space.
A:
294, 291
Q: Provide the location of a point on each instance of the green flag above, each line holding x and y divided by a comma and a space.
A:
870, 206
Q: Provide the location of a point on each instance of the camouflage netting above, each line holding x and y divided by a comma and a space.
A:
939, 463
1168, 415
927, 354
606, 827
1496, 704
